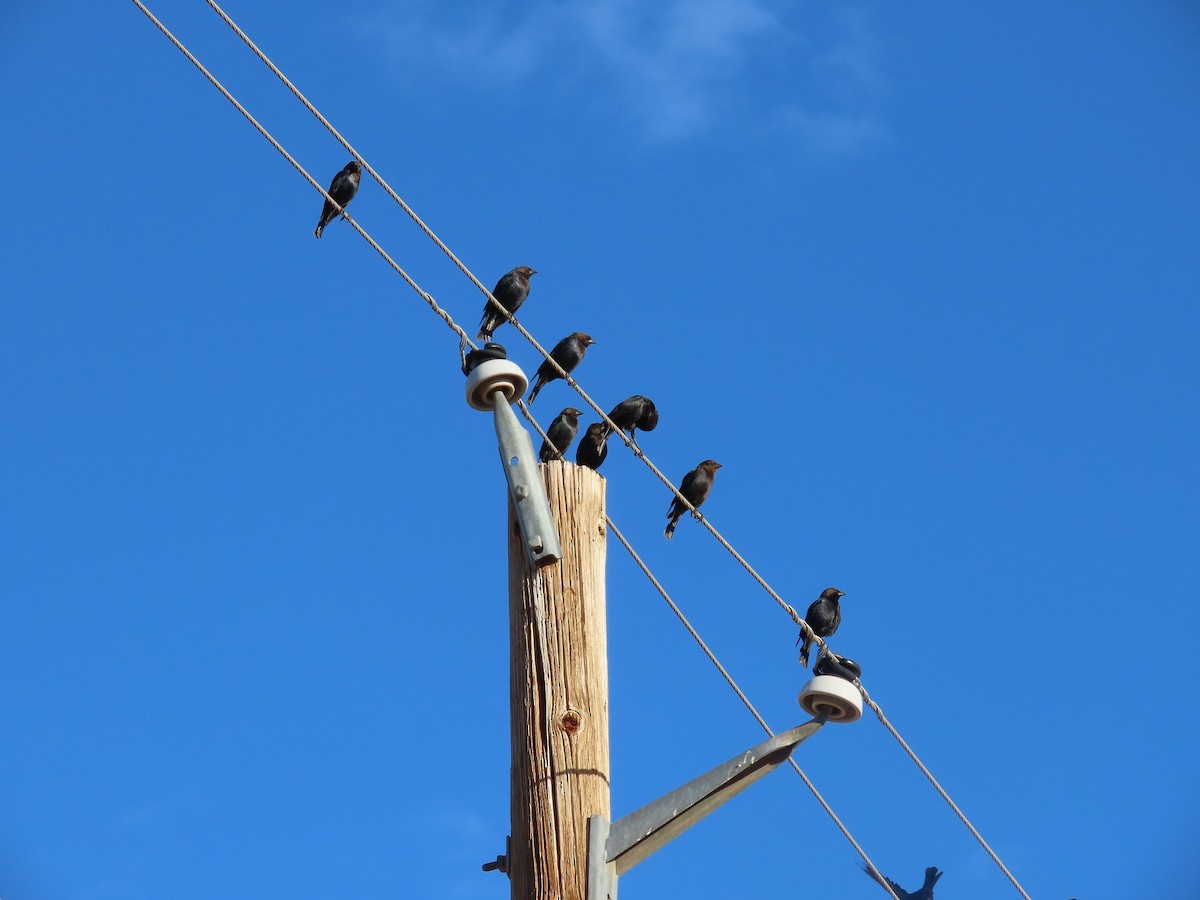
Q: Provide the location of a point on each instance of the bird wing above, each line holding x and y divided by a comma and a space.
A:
883, 880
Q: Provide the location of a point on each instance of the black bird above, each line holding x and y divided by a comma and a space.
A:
593, 447
560, 434
568, 353
511, 291
696, 485
633, 413
823, 617
925, 893
342, 189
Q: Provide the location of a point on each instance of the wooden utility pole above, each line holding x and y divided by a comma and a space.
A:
558, 673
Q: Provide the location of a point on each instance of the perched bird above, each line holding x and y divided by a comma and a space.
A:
342, 189
568, 353
593, 447
823, 617
633, 413
560, 434
696, 485
925, 893
511, 291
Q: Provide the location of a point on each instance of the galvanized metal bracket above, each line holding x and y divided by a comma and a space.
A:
494, 382
525, 486
615, 848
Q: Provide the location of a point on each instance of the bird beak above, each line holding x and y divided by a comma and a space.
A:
841, 593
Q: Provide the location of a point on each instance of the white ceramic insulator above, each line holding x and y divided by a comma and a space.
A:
495, 375
834, 697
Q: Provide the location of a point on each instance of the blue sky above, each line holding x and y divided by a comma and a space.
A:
923, 277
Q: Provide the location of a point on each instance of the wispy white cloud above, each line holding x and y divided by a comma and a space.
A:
674, 68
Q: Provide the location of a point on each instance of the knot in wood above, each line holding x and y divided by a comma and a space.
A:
571, 721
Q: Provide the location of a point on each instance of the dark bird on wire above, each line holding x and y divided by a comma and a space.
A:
696, 485
568, 353
511, 291
342, 189
925, 893
593, 447
633, 413
823, 617
560, 434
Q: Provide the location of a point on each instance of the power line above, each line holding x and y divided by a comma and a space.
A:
433, 304
762, 722
737, 690
346, 144
712, 658
796, 618
945, 796
529, 337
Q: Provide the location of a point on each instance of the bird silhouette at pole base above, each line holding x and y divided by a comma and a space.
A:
823, 617
593, 447
633, 413
925, 893
560, 434
696, 486
342, 189
510, 291
568, 353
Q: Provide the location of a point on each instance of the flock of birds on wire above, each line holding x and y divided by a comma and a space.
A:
630, 415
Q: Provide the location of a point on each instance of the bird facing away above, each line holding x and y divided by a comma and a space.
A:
342, 189
568, 353
925, 893
593, 447
696, 485
511, 291
560, 434
633, 413
823, 617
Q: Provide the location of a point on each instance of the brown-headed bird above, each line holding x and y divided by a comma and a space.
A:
925, 893
511, 291
560, 434
568, 353
633, 413
342, 189
823, 617
593, 447
696, 485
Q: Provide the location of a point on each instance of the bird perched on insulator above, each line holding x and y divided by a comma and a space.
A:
593, 447
342, 189
633, 413
925, 893
560, 434
823, 617
695, 488
568, 353
510, 291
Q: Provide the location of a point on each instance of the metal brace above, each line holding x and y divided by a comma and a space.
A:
615, 848
494, 382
